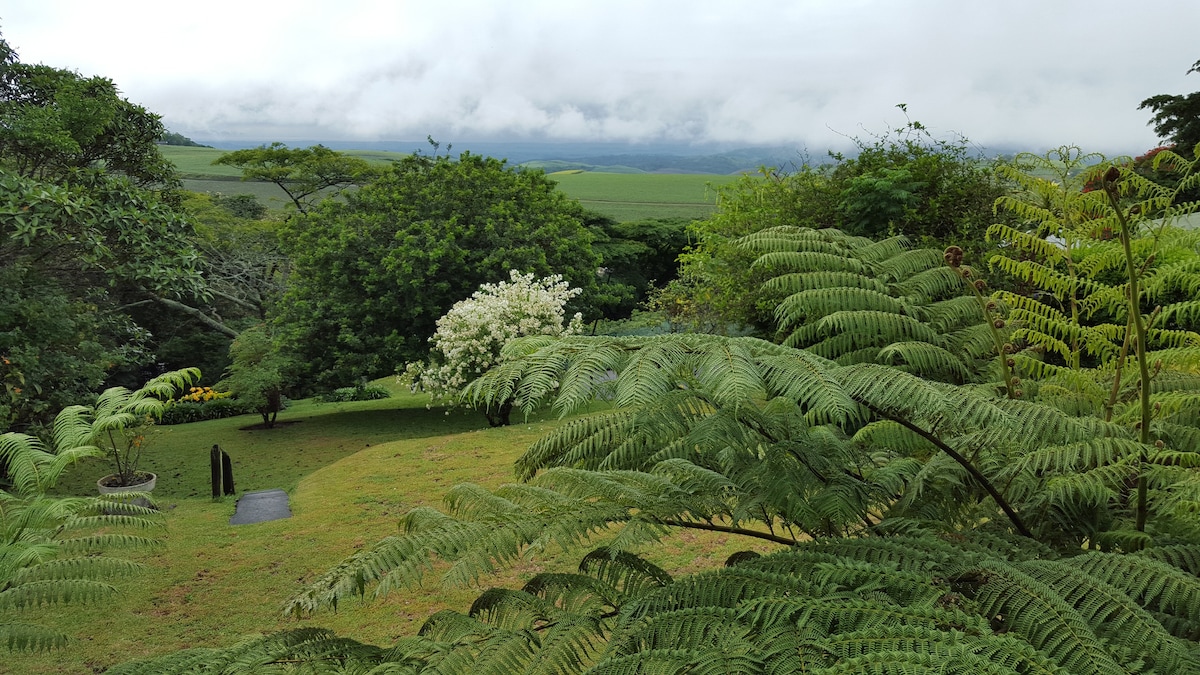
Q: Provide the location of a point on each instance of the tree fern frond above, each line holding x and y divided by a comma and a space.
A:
1114, 615
731, 373
952, 314
908, 263
1157, 585
701, 661
90, 567
16, 636
843, 649
630, 574
54, 591
1044, 277
887, 326
884, 249
582, 442
810, 261
1183, 556
810, 382
930, 285
819, 302
1186, 312
912, 398
1030, 608
796, 282
922, 358
690, 629
1037, 245
895, 437
975, 341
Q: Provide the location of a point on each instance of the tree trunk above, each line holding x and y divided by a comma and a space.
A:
499, 417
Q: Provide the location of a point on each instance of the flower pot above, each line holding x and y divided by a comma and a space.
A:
106, 487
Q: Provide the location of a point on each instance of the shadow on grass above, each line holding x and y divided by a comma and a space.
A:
319, 434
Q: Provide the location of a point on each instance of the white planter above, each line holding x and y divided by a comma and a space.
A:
147, 486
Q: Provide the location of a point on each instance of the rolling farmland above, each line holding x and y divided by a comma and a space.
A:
621, 196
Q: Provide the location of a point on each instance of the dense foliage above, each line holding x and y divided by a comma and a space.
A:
82, 248
966, 469
636, 257
306, 175
472, 335
1177, 117
906, 182
258, 373
995, 525
53, 549
90, 238
372, 274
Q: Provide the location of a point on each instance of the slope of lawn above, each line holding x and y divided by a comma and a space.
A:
351, 469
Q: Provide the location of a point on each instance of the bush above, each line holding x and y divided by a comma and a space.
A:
367, 392
183, 412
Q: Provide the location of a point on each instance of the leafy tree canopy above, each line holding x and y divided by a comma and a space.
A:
305, 174
54, 120
372, 274
905, 182
1177, 117
913, 183
635, 257
88, 225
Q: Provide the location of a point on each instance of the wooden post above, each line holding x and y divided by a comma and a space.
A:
227, 473
214, 461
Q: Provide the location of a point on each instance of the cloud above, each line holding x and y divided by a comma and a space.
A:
1026, 72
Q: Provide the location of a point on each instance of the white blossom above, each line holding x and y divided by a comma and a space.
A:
470, 336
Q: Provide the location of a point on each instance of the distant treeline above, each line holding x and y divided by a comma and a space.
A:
172, 138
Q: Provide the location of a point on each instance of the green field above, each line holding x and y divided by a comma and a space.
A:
631, 196
621, 196
351, 470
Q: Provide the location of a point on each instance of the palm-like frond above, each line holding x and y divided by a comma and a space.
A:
38, 533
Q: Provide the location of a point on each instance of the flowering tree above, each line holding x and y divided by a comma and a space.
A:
470, 336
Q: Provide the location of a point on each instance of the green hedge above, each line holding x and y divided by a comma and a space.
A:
368, 392
182, 412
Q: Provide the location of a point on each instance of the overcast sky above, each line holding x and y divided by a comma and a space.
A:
1027, 73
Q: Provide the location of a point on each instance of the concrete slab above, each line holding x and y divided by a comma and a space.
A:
261, 506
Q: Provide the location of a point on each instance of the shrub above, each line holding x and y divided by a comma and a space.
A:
470, 337
185, 411
366, 392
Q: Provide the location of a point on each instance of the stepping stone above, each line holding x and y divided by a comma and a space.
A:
261, 506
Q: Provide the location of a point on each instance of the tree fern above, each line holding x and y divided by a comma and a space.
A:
49, 545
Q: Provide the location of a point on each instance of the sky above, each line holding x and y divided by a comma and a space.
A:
1029, 74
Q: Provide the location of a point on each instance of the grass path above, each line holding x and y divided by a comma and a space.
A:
351, 471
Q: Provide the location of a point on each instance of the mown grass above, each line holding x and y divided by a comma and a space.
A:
351, 470
621, 196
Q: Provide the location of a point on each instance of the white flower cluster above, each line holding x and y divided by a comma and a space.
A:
470, 336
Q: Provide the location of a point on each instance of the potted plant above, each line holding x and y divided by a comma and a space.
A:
117, 424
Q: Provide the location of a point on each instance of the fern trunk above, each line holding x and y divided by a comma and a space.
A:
1139, 327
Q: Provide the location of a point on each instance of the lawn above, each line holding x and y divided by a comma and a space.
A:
351, 469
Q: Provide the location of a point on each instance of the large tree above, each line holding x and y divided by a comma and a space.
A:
54, 121
372, 274
1177, 117
306, 175
88, 229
